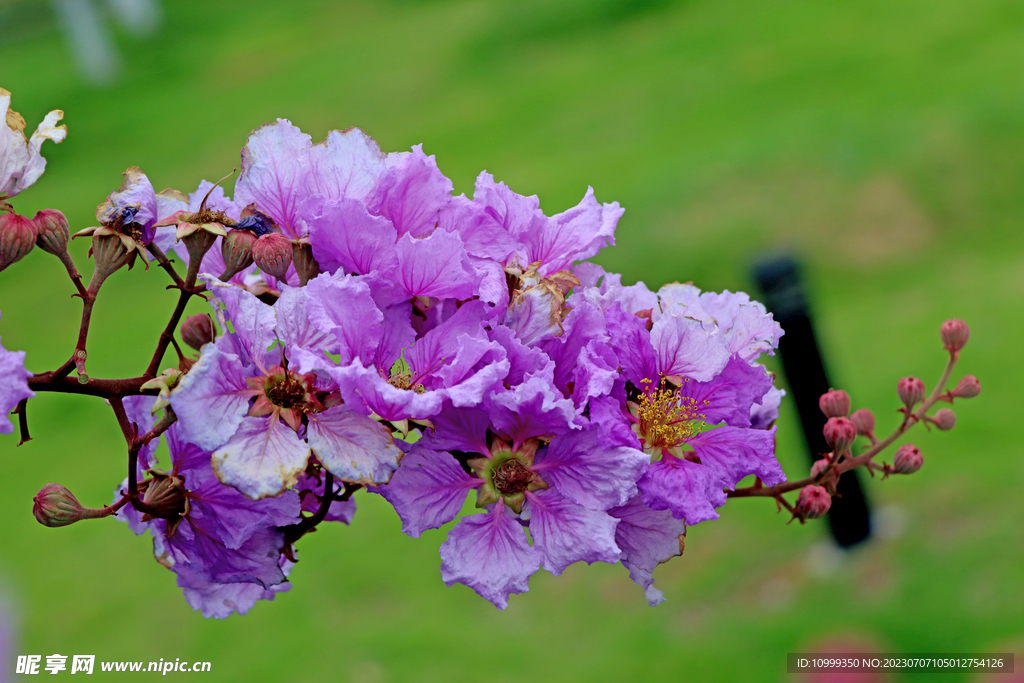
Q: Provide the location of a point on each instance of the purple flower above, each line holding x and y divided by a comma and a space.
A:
13, 385
261, 418
683, 379
225, 548
561, 491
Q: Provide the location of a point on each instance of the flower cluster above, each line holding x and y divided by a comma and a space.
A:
374, 331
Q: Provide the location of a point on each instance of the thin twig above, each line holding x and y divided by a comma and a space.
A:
852, 463
22, 411
166, 264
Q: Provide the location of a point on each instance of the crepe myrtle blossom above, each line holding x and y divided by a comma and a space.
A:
263, 419
533, 463
225, 548
683, 379
378, 331
128, 214
385, 370
21, 161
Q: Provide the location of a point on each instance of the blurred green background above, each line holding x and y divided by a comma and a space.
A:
881, 141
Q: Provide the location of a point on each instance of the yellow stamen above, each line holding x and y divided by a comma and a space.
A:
667, 419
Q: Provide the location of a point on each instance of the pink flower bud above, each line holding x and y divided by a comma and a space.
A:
819, 466
197, 330
55, 506
944, 419
835, 403
273, 254
911, 391
17, 237
955, 333
908, 459
968, 387
51, 231
813, 502
864, 420
236, 249
839, 434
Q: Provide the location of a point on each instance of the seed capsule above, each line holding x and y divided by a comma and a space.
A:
273, 254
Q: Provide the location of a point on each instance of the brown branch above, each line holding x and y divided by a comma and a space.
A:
104, 388
188, 289
165, 263
22, 411
135, 445
76, 278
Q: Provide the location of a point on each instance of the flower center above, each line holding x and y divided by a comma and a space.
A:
287, 392
512, 477
666, 418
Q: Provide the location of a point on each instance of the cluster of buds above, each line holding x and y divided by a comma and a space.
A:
371, 331
18, 235
841, 432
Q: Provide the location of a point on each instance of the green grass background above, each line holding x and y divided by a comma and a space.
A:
882, 141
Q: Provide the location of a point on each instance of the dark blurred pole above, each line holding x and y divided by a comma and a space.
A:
783, 294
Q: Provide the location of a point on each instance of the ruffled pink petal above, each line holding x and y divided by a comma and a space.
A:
729, 396
490, 554
353, 447
690, 491
564, 532
427, 490
262, 459
344, 307
647, 538
348, 163
573, 235
734, 453
343, 234
412, 193
272, 176
210, 401
592, 466
435, 266
684, 348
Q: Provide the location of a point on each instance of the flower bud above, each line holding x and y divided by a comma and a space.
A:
813, 502
968, 387
198, 243
944, 419
51, 231
55, 506
17, 237
236, 249
908, 459
110, 254
864, 420
197, 330
165, 494
835, 403
273, 254
819, 466
954, 333
911, 391
840, 434
305, 265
